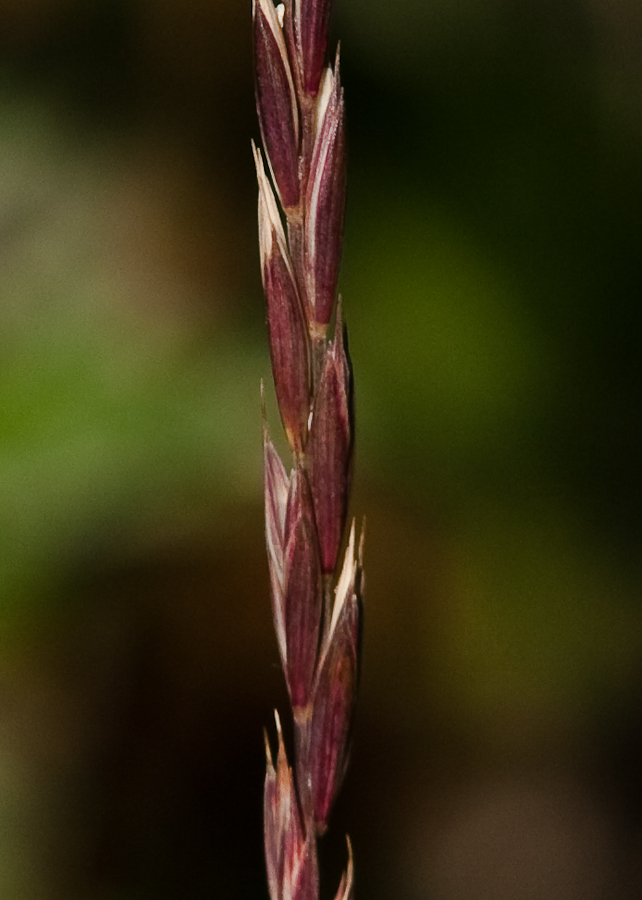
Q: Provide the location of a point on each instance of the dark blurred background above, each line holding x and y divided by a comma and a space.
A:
493, 290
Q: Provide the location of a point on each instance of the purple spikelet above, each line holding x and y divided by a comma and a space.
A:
316, 591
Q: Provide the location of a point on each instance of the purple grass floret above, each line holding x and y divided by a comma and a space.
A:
330, 449
276, 101
303, 591
277, 486
312, 20
325, 201
316, 601
290, 855
289, 345
335, 692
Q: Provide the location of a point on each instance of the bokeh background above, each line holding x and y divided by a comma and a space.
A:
493, 290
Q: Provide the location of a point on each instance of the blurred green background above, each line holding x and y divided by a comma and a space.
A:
493, 289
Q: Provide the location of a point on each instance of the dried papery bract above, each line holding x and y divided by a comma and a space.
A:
316, 601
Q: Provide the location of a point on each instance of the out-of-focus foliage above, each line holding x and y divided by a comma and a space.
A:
114, 408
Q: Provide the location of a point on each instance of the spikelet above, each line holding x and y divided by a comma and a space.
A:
316, 595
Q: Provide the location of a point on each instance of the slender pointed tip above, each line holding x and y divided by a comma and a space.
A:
351, 538
362, 540
326, 88
258, 159
268, 750
350, 869
346, 579
264, 425
345, 886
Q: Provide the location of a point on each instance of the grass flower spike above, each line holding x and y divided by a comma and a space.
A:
316, 592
